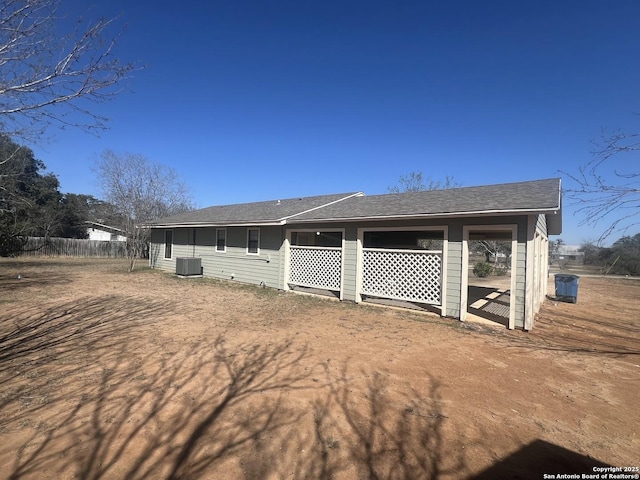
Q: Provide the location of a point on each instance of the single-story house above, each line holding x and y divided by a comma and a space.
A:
567, 254
98, 231
409, 247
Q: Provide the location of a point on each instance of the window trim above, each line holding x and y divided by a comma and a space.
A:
224, 247
166, 244
249, 230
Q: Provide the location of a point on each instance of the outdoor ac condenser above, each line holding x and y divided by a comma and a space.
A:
188, 266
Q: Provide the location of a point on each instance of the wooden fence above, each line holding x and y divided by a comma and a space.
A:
72, 247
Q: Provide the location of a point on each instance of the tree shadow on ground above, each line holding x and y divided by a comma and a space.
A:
49, 356
45, 334
585, 334
81, 399
173, 419
380, 433
47, 263
16, 281
18, 274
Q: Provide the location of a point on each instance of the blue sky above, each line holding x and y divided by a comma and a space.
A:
255, 100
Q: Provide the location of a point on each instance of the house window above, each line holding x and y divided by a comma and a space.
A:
168, 243
221, 240
253, 241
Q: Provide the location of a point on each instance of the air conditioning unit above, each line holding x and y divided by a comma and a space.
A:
188, 266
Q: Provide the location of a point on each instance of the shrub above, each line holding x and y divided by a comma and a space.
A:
500, 271
482, 269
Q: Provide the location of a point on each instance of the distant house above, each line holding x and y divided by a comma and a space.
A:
98, 231
411, 247
567, 254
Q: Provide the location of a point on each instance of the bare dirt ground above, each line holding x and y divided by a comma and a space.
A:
105, 374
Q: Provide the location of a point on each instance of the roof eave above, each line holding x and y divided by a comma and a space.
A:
501, 213
217, 224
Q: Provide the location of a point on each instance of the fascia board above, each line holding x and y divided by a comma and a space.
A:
483, 213
218, 224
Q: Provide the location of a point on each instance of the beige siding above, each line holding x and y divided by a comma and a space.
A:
541, 225
350, 273
520, 274
454, 278
235, 263
156, 252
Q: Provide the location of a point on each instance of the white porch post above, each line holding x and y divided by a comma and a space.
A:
529, 297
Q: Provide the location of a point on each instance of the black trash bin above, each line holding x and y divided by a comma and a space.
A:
567, 287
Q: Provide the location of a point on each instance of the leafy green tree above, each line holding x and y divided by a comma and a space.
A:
625, 252
29, 198
74, 212
31, 203
77, 209
627, 245
592, 252
621, 258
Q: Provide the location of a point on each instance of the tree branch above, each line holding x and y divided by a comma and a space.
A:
36, 90
602, 192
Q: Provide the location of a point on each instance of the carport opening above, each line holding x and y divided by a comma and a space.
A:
489, 276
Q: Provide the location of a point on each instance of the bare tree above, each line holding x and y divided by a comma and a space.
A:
415, 182
556, 245
141, 191
48, 79
607, 188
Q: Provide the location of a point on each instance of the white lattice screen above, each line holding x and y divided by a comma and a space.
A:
410, 275
317, 267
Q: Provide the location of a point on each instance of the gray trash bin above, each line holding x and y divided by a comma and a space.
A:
567, 287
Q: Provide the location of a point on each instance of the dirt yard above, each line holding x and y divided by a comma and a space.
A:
105, 374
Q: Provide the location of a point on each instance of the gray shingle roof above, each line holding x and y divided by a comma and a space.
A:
272, 211
534, 196
538, 196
